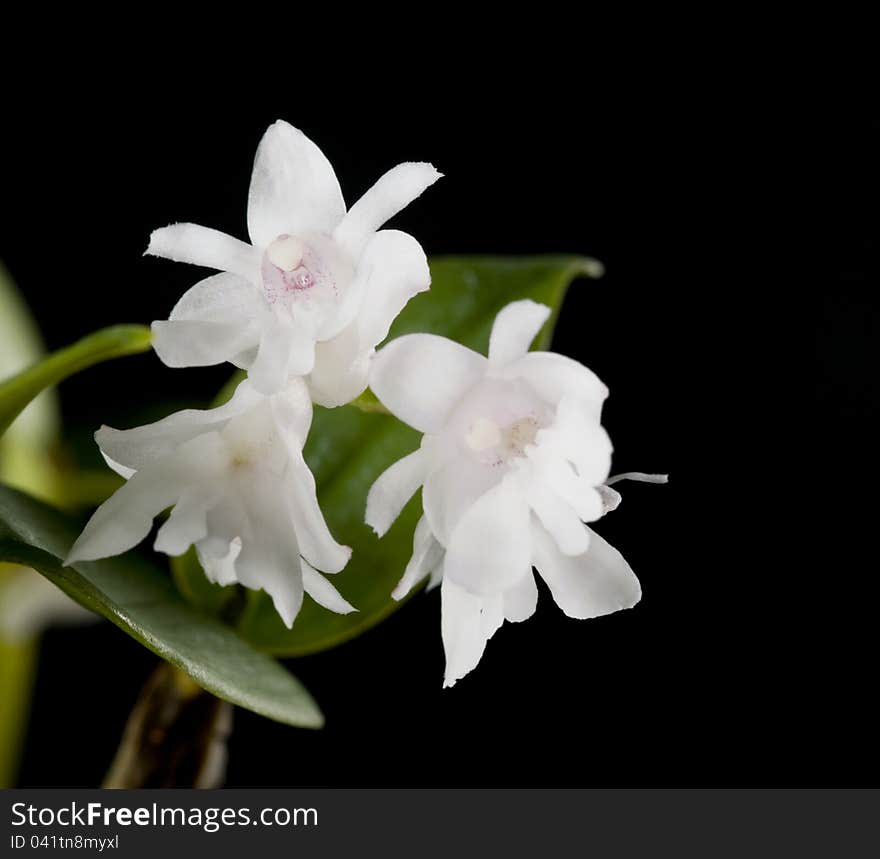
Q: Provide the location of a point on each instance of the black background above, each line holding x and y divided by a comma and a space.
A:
719, 676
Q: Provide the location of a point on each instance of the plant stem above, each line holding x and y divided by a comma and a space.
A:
175, 736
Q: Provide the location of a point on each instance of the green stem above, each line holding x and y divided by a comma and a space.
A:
114, 342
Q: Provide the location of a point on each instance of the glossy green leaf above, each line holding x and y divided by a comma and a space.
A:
18, 391
348, 448
140, 599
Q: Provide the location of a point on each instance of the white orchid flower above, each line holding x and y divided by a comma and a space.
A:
513, 462
241, 491
317, 288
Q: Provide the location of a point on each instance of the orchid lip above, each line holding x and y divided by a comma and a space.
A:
285, 268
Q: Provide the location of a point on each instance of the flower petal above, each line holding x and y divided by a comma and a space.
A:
270, 369
462, 629
421, 377
315, 540
392, 270
395, 268
126, 517
213, 322
514, 329
122, 470
590, 585
270, 554
219, 569
490, 546
286, 349
206, 247
491, 615
393, 488
450, 490
138, 447
341, 369
577, 436
322, 592
188, 522
427, 556
521, 600
200, 344
556, 475
560, 520
555, 377
292, 411
293, 188
393, 192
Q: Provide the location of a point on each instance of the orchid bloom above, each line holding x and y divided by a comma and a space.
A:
513, 462
315, 291
241, 491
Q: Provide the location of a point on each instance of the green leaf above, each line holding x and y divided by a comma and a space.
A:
141, 600
18, 664
114, 342
349, 448
26, 447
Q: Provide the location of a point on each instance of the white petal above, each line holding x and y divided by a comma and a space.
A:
200, 344
593, 584
122, 470
292, 411
394, 268
270, 554
555, 377
577, 436
514, 329
393, 488
436, 576
560, 520
213, 322
259, 568
140, 446
427, 556
490, 546
491, 615
286, 349
270, 369
521, 600
462, 629
204, 246
315, 540
126, 517
219, 298
322, 592
393, 192
293, 188
188, 522
341, 369
421, 377
559, 477
219, 569
450, 490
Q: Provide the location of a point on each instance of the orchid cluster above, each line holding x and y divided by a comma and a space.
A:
513, 460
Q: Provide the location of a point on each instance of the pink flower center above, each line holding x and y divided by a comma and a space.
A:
285, 267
